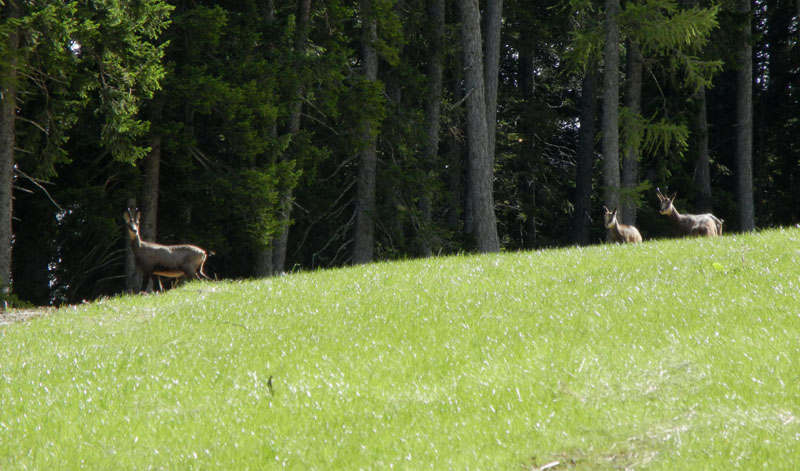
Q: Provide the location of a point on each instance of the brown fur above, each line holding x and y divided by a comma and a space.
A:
620, 233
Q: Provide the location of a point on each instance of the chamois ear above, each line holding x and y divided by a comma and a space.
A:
672, 198
606, 209
127, 217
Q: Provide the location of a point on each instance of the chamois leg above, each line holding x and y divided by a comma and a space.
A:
200, 272
172, 282
147, 279
189, 272
705, 228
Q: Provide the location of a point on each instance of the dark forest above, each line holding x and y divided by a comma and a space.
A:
303, 135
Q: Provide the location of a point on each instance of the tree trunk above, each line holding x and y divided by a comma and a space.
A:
152, 166
268, 11
280, 242
263, 256
491, 67
364, 238
611, 179
263, 262
8, 106
455, 217
744, 125
702, 176
436, 11
699, 127
527, 153
633, 101
480, 174
581, 218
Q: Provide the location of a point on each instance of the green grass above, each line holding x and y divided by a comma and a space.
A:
676, 354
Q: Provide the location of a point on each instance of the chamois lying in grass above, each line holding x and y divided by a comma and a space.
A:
620, 233
689, 224
172, 261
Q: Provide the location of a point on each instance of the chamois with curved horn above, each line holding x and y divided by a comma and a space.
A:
689, 224
620, 233
173, 261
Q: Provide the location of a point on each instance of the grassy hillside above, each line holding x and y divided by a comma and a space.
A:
678, 354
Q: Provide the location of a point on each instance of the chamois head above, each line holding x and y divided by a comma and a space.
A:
132, 223
610, 217
665, 203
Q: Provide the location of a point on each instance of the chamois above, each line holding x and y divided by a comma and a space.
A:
173, 261
689, 224
620, 232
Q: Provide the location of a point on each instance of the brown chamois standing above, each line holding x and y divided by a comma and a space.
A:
620, 233
689, 224
172, 261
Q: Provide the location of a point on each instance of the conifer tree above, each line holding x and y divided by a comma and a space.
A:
481, 223
610, 124
744, 124
56, 57
364, 232
9, 63
435, 76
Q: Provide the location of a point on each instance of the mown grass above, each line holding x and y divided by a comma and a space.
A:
675, 354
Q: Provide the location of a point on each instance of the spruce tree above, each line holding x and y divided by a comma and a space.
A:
58, 59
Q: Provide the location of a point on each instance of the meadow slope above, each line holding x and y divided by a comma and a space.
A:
668, 355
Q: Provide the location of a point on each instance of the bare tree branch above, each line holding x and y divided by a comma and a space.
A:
39, 184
